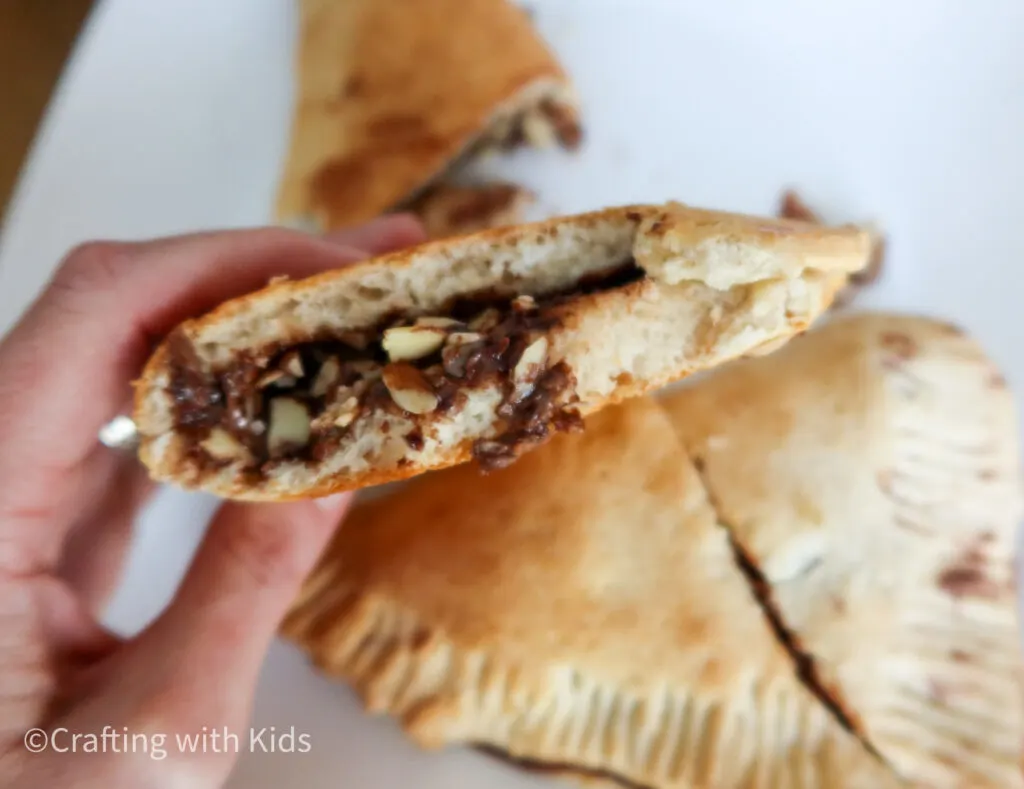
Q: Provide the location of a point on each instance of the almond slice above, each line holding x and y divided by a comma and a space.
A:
347, 412
326, 377
277, 378
538, 130
409, 388
428, 322
406, 343
529, 367
291, 363
289, 427
221, 445
462, 338
524, 303
487, 319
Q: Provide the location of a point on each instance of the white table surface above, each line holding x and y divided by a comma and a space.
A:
173, 116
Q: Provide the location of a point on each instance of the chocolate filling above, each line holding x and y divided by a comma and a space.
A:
299, 402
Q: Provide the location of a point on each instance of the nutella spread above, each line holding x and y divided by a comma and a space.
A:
299, 402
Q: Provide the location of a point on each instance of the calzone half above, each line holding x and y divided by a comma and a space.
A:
581, 613
478, 346
871, 470
395, 97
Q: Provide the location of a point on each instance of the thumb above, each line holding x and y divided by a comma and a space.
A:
246, 574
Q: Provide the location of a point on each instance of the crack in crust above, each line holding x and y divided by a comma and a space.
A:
803, 662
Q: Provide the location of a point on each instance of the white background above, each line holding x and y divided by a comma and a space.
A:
174, 115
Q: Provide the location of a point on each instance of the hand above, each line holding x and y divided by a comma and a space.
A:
67, 505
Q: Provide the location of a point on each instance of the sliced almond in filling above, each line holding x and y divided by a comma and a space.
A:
409, 388
408, 343
463, 338
330, 372
221, 445
433, 322
289, 426
291, 363
529, 367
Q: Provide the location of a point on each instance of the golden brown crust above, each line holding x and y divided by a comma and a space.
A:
392, 91
871, 470
580, 609
833, 250
792, 206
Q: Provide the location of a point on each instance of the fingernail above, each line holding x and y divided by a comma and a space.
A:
333, 503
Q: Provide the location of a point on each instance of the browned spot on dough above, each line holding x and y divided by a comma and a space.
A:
997, 381
398, 125
987, 537
884, 479
987, 475
699, 464
947, 760
657, 227
624, 379
963, 581
354, 87
838, 604
967, 576
899, 345
974, 556
959, 656
419, 639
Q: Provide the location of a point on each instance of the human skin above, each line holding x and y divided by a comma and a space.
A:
67, 504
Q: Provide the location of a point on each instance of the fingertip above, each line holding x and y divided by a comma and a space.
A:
407, 228
384, 234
